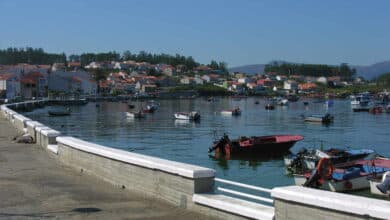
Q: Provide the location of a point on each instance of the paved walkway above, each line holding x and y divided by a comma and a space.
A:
33, 185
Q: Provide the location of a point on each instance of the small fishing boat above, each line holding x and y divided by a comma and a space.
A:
149, 109
361, 102
138, 114
234, 112
292, 98
60, 112
256, 145
305, 103
349, 177
191, 116
279, 101
387, 109
306, 159
269, 106
257, 102
327, 118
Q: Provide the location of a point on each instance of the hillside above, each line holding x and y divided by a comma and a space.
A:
368, 72
374, 70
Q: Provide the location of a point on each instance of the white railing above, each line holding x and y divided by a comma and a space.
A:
246, 186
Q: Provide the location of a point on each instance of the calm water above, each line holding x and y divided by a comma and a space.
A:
162, 136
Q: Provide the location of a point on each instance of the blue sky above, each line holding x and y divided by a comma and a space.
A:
238, 32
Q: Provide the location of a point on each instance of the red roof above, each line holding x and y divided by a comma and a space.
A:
5, 76
27, 81
34, 75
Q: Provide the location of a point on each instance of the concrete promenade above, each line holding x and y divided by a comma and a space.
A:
33, 185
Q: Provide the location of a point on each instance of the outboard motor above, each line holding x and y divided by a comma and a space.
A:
384, 186
220, 144
312, 181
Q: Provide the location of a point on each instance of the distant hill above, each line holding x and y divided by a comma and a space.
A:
374, 70
368, 72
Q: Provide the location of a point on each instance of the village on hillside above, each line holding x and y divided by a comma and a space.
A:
141, 79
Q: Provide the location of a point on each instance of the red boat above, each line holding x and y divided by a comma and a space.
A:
273, 145
376, 110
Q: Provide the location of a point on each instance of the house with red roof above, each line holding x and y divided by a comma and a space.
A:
307, 86
33, 84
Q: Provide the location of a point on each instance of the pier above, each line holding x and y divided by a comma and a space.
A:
61, 176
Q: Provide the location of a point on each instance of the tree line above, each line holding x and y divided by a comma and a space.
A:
143, 56
11, 56
344, 71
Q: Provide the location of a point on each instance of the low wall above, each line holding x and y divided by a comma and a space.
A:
172, 181
297, 202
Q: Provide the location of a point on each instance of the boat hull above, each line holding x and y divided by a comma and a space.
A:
135, 115
261, 150
187, 116
337, 186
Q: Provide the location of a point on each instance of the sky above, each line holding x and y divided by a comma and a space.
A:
238, 32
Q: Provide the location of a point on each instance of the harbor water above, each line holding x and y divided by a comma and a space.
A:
160, 135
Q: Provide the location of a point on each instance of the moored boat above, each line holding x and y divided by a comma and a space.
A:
234, 112
192, 116
306, 159
387, 109
269, 106
327, 118
151, 107
138, 114
361, 102
292, 98
351, 176
271, 145
376, 110
59, 112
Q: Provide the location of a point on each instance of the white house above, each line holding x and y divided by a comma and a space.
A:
322, 80
186, 80
9, 85
243, 80
198, 80
93, 65
290, 85
206, 78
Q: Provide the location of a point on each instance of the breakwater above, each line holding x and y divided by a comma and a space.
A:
189, 186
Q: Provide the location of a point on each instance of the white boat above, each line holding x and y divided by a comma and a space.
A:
327, 118
138, 114
279, 101
376, 181
193, 116
361, 102
234, 112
